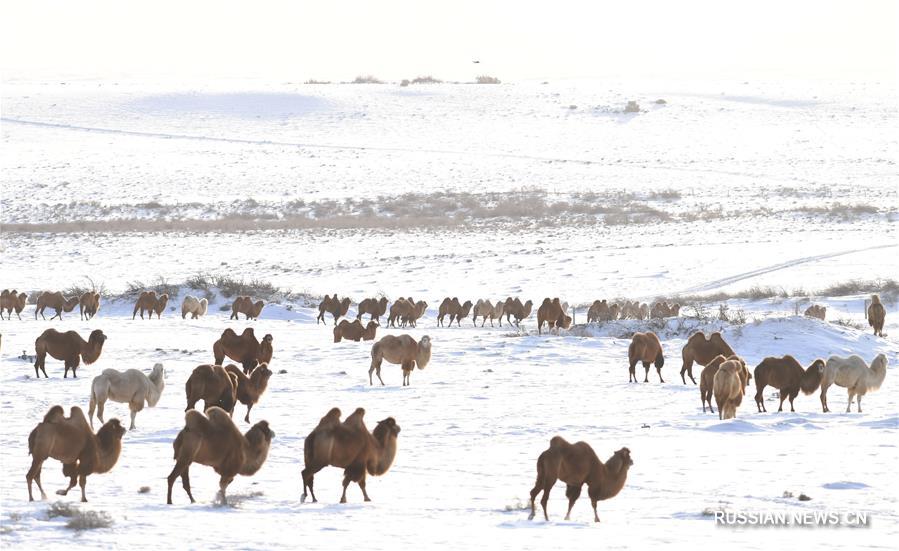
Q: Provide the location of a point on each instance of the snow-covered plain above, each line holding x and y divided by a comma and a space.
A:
755, 177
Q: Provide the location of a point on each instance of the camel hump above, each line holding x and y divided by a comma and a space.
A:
194, 421
557, 442
229, 333
55, 414
331, 418
219, 418
234, 380
355, 419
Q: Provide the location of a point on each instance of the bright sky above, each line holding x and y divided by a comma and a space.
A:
395, 39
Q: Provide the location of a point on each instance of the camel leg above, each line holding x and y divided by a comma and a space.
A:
538, 486
572, 492
824, 398
353, 473
684, 370
646, 367
632, 372
100, 407
547, 487
793, 396
179, 468
759, 399
247, 418
185, 483
659, 371
190, 403
308, 475
859, 398
223, 487
362, 487
34, 473
593, 501
70, 470
782, 398
851, 396
134, 411
82, 481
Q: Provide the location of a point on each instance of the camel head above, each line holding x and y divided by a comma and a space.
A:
267, 338
261, 374
260, 432
875, 299
625, 455
386, 427
111, 432
879, 363
97, 337
818, 365
158, 373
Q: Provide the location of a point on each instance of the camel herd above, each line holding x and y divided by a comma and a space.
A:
725, 374
210, 437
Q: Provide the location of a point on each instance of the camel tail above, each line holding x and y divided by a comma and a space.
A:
660, 359
308, 447
32, 438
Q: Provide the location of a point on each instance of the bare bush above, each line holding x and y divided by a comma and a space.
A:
367, 79
89, 520
426, 80
486, 79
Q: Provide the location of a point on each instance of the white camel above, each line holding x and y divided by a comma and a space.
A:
130, 387
193, 306
854, 374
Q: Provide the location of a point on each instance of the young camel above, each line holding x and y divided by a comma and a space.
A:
130, 387
401, 350
729, 386
213, 440
575, 465
71, 441
351, 447
250, 389
69, 347
707, 378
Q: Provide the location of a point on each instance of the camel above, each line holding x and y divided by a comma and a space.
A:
214, 440
597, 311
401, 350
876, 315
402, 308
130, 387
194, 306
214, 385
250, 389
447, 308
614, 311
354, 331
702, 350
564, 322
89, 305
815, 311
577, 464
10, 300
645, 348
148, 301
786, 375
245, 305
514, 308
707, 378
375, 308
549, 312
729, 386
244, 348
855, 375
351, 447
417, 312
461, 313
68, 347
71, 441
336, 308
56, 301
485, 309
644, 312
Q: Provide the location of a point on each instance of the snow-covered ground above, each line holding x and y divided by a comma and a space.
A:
755, 177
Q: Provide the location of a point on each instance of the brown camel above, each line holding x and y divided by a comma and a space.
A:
213, 440
876, 315
816, 311
786, 375
245, 305
375, 308
214, 385
597, 311
707, 378
56, 301
351, 447
89, 305
250, 389
402, 308
515, 309
485, 309
245, 348
729, 386
702, 350
333, 306
354, 331
68, 347
71, 441
149, 302
447, 308
11, 300
418, 311
549, 312
577, 464
645, 348
401, 350
461, 313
